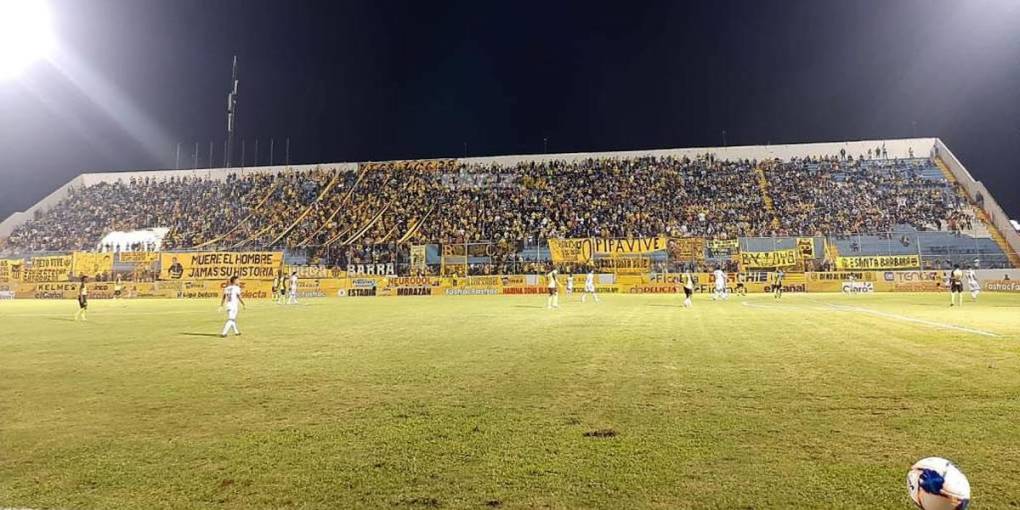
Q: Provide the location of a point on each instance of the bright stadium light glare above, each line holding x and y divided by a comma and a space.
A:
26, 35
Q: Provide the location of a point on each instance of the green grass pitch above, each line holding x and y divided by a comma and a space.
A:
812, 401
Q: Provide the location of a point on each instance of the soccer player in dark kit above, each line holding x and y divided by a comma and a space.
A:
83, 300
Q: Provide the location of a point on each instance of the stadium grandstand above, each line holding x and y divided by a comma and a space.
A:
496, 215
482, 255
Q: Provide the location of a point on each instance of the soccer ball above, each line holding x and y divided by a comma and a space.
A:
936, 484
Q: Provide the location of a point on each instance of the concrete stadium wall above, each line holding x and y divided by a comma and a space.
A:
921, 147
41, 206
974, 189
208, 173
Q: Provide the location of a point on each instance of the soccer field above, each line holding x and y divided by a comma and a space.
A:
812, 401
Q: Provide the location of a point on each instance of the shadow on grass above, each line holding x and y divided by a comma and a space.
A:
528, 306
62, 319
664, 306
212, 335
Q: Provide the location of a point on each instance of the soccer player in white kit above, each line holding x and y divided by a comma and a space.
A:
589, 286
292, 299
232, 300
720, 284
553, 301
570, 283
972, 282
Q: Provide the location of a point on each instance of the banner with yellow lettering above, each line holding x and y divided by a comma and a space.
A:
91, 264
878, 262
55, 268
768, 259
806, 247
10, 270
220, 265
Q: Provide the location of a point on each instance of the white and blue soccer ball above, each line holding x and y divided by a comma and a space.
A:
937, 484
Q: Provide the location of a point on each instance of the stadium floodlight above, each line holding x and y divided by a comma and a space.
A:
26, 35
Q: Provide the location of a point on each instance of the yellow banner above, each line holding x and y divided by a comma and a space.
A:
417, 165
91, 264
97, 290
10, 270
768, 259
831, 250
576, 251
582, 250
220, 265
687, 248
637, 246
878, 262
138, 257
624, 265
48, 269
718, 247
806, 247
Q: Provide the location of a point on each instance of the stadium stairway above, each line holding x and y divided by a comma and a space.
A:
763, 185
981, 216
945, 170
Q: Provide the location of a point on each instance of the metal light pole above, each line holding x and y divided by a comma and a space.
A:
231, 115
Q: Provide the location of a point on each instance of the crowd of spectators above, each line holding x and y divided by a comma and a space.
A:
341, 217
637, 197
837, 196
191, 207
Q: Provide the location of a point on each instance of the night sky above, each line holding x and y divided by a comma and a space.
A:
374, 80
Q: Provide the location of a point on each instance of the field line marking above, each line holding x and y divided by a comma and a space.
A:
939, 325
772, 307
105, 313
